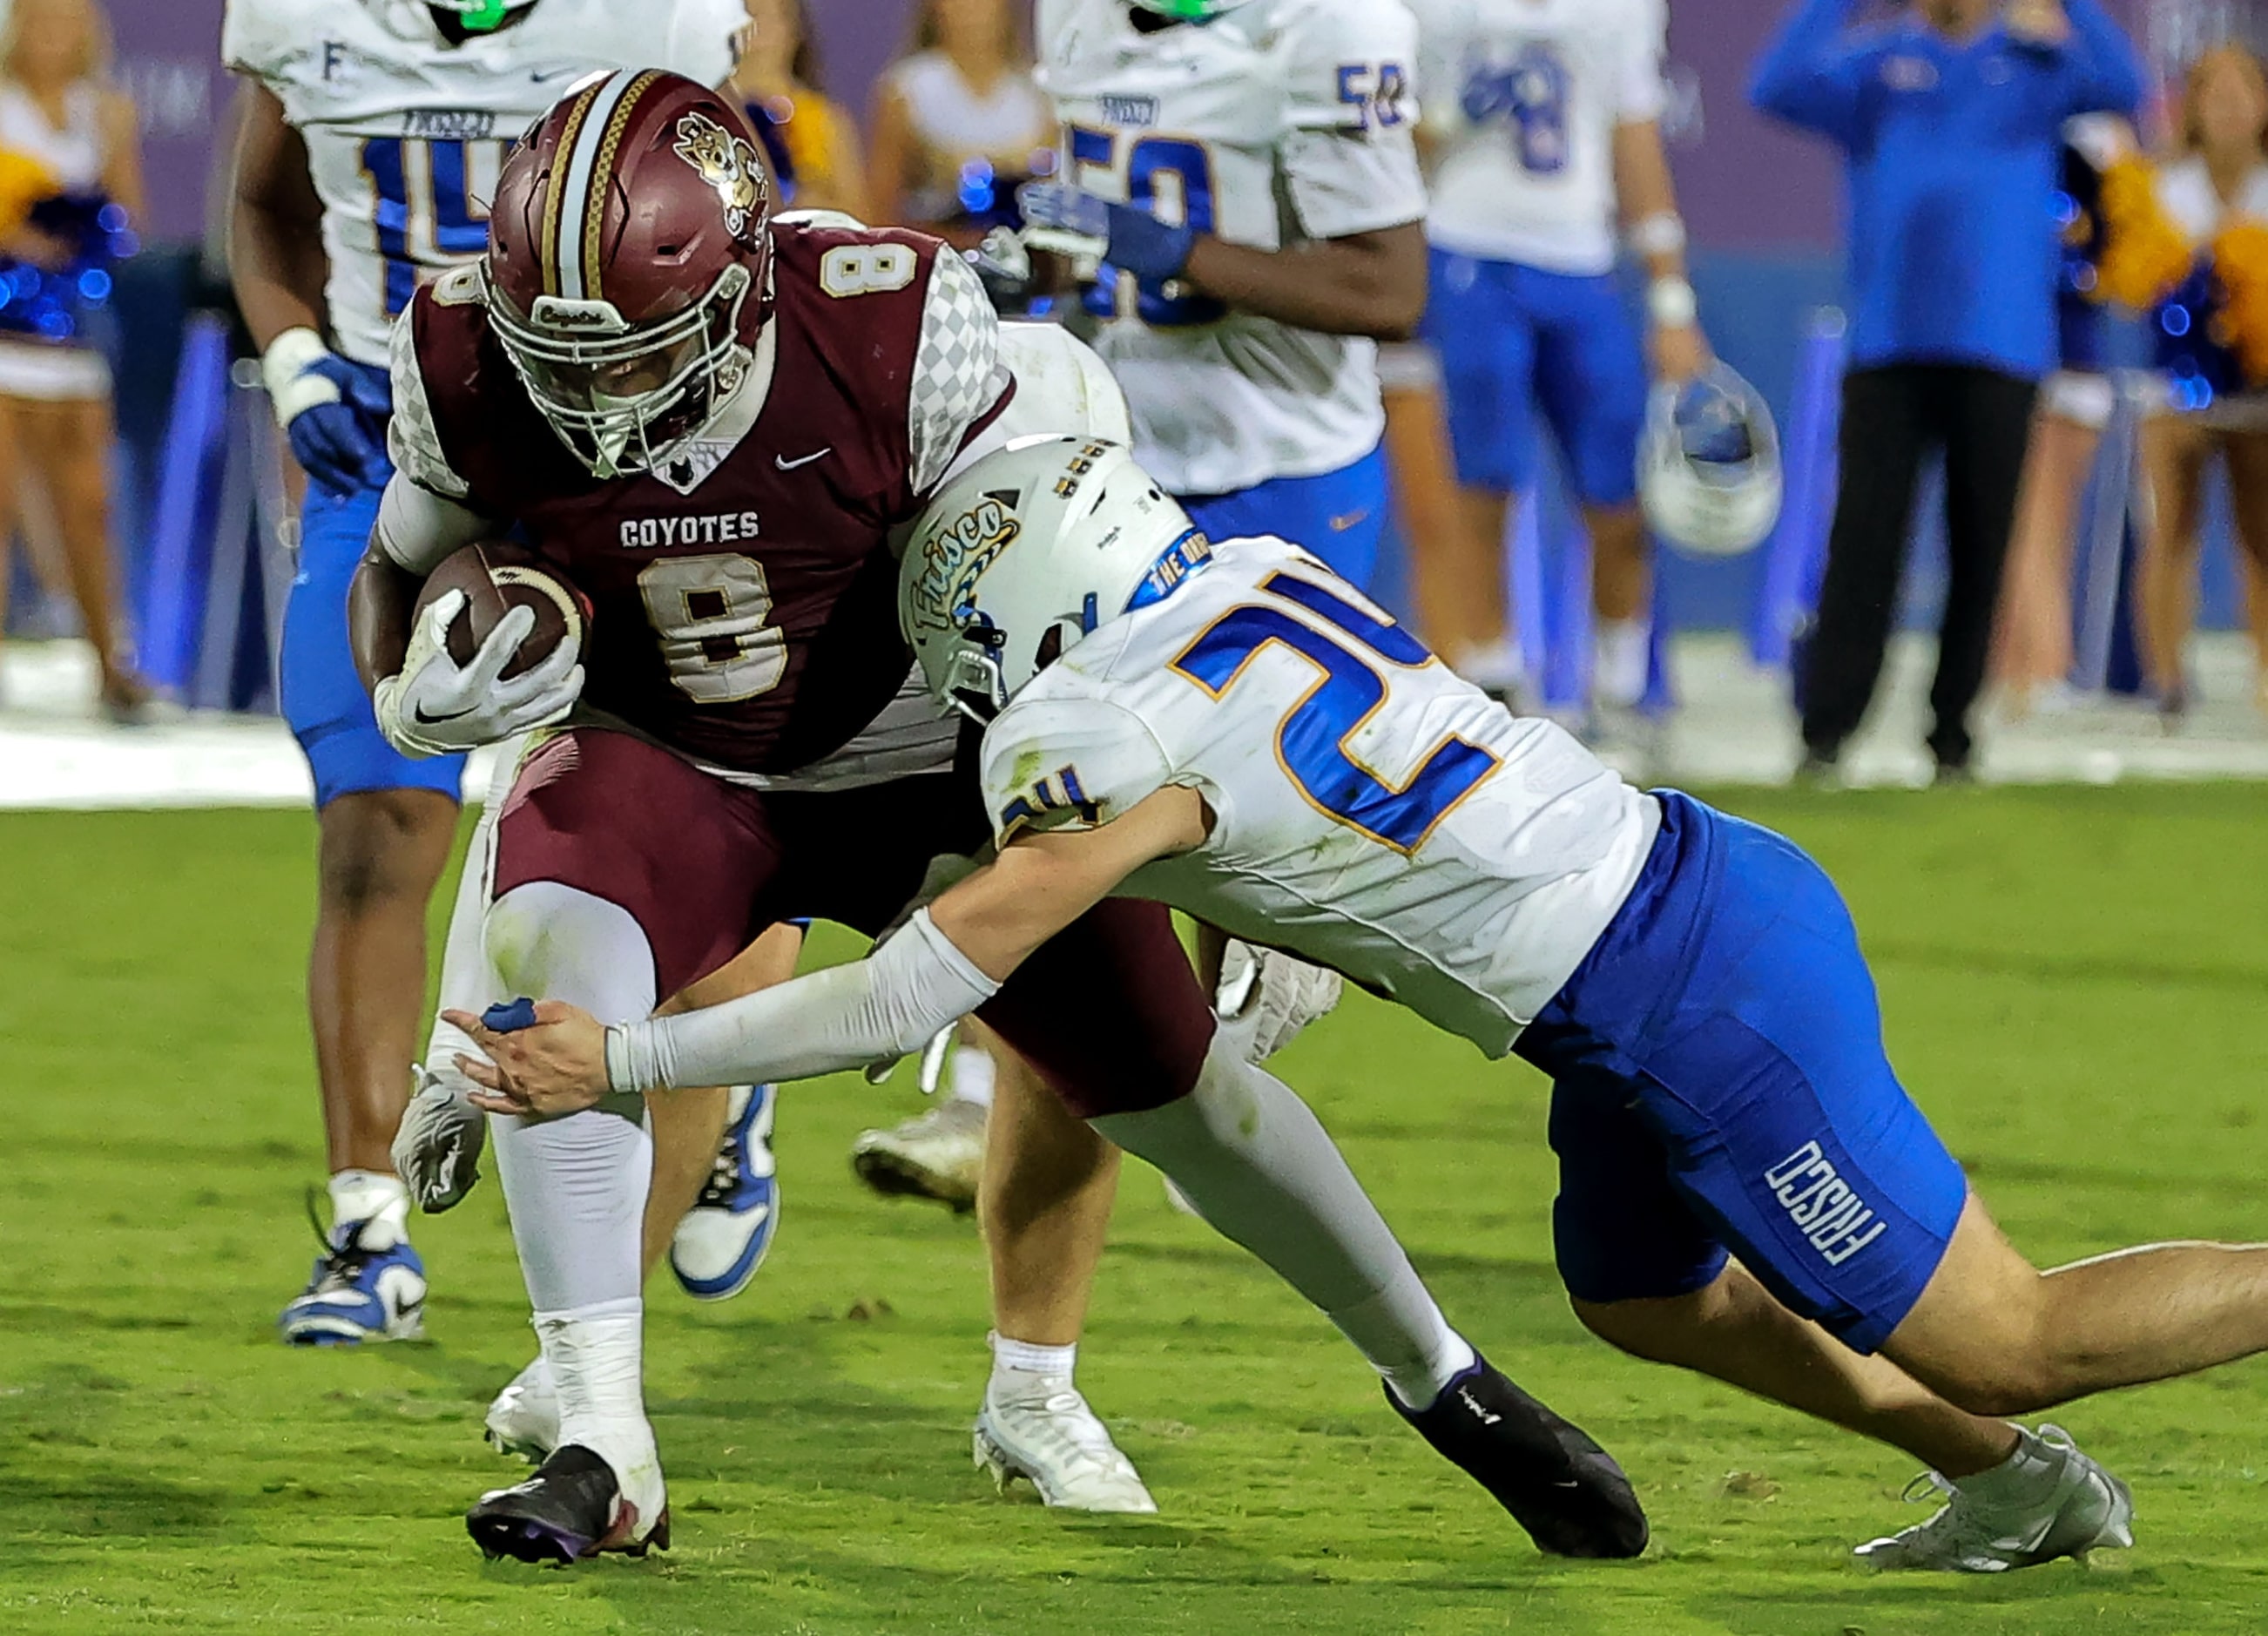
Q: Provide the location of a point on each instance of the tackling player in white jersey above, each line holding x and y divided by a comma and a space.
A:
1245, 171
1745, 1187
371, 137
1542, 129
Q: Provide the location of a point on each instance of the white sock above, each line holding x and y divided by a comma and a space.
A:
1013, 1357
1499, 664
1620, 657
2027, 1476
376, 1198
1262, 1171
1417, 1358
596, 1357
974, 1073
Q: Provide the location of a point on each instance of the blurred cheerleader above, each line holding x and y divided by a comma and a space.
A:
2032, 642
814, 145
959, 122
57, 109
2198, 242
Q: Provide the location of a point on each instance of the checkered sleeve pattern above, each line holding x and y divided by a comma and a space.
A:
958, 375
413, 443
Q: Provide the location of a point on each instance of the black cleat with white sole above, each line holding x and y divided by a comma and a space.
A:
569, 1509
1562, 1487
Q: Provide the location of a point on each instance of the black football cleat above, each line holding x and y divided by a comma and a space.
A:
1562, 1487
569, 1509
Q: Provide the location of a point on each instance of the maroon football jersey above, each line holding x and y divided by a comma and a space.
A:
747, 605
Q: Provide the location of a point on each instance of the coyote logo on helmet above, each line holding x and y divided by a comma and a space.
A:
956, 555
726, 163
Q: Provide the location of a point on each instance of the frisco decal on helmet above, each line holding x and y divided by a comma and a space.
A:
954, 558
726, 163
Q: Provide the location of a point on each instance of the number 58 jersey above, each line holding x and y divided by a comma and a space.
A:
406, 134
1371, 811
1278, 121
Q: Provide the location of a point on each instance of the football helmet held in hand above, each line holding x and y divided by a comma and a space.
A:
1708, 464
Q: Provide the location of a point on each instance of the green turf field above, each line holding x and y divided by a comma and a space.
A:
2074, 983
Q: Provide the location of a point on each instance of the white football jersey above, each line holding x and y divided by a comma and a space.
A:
1525, 96
1280, 122
1371, 812
406, 134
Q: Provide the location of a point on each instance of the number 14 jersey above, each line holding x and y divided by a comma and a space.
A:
1371, 810
406, 133
1278, 121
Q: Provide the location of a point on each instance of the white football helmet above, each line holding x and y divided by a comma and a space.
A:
1708, 464
1026, 552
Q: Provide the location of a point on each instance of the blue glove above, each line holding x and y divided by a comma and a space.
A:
1134, 241
334, 412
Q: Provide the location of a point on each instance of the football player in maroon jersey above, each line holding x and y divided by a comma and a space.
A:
712, 424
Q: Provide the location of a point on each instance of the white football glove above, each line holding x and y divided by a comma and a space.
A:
437, 1151
433, 708
1266, 997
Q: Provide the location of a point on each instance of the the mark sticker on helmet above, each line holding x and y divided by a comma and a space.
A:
726, 163
953, 558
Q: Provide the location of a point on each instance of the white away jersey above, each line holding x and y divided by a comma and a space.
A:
406, 134
1371, 812
1280, 122
1525, 96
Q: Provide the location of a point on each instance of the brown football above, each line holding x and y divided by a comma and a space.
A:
496, 577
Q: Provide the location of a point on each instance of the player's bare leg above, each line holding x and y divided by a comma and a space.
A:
1622, 597
1049, 1181
378, 855
1995, 1334
1427, 511
1734, 1331
1461, 578
714, 1206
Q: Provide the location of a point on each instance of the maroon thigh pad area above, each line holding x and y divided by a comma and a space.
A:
1109, 1011
686, 854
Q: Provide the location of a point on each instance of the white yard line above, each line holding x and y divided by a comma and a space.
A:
1735, 727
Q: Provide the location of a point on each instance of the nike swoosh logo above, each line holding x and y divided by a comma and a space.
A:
417, 712
1348, 519
543, 74
786, 464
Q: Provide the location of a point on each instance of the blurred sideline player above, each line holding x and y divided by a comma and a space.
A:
371, 140
722, 474
1242, 170
1542, 128
1745, 1188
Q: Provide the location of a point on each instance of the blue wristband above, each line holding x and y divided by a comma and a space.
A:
1142, 245
510, 1016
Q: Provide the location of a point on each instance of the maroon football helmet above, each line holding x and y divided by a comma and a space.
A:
629, 263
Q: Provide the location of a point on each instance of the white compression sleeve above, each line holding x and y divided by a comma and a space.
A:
877, 1009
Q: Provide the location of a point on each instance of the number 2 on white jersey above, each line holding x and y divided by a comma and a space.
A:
1312, 741
710, 614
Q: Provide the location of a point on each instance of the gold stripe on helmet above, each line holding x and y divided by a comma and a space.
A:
602, 166
547, 241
